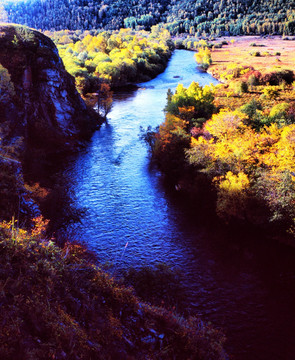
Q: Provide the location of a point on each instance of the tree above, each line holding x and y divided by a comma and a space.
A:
203, 57
105, 99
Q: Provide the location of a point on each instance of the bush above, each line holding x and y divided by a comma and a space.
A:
203, 57
250, 108
276, 78
252, 80
271, 92
240, 87
255, 53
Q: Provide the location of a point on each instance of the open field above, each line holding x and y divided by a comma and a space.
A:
240, 52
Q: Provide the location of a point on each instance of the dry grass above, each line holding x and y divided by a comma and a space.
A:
239, 52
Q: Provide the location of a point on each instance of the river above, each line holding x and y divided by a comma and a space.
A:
243, 284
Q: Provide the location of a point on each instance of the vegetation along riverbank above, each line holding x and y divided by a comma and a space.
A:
56, 302
237, 136
232, 146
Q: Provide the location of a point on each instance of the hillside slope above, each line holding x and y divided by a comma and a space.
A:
212, 17
56, 304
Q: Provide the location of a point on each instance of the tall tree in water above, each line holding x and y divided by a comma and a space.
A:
105, 100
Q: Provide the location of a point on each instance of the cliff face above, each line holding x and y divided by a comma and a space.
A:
41, 114
46, 109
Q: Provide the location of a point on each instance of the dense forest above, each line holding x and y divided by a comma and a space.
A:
115, 59
222, 17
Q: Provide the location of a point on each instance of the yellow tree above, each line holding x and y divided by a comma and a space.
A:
203, 57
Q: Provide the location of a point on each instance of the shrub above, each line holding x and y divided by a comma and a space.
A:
277, 77
271, 92
239, 87
255, 53
250, 108
279, 111
252, 80
203, 57
82, 84
243, 87
232, 196
281, 115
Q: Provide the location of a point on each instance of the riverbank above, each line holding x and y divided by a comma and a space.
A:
117, 58
55, 301
241, 287
64, 306
215, 134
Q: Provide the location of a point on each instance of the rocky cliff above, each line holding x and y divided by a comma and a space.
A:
46, 109
41, 114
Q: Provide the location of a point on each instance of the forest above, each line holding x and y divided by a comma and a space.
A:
117, 58
200, 18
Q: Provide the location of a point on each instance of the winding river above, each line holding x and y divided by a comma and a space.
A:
244, 286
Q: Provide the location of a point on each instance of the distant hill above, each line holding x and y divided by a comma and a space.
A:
214, 17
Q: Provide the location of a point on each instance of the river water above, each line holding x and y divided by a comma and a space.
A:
243, 284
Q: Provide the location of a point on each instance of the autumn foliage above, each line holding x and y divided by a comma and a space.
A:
244, 146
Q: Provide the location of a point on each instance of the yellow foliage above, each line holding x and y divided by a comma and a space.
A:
232, 195
282, 156
235, 183
203, 57
225, 123
87, 40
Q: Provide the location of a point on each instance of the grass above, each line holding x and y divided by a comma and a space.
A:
240, 53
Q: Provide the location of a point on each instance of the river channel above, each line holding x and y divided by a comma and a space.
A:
243, 284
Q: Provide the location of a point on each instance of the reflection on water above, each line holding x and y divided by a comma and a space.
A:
246, 292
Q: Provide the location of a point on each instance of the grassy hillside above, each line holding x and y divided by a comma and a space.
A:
231, 17
57, 304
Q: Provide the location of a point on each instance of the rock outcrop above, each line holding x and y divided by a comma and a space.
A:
47, 109
41, 115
